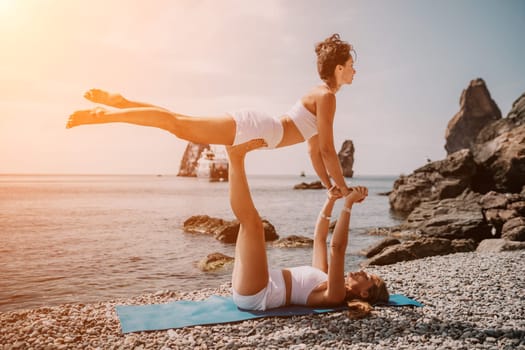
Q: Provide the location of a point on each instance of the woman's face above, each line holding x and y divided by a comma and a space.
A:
347, 71
359, 282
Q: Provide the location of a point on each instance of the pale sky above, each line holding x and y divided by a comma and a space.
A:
208, 57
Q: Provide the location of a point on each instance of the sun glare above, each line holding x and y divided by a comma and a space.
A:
5, 5
6, 9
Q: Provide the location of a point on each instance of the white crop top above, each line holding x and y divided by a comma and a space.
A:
305, 121
304, 280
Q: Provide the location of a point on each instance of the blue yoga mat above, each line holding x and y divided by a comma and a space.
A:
215, 309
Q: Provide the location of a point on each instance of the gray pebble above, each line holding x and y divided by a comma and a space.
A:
472, 301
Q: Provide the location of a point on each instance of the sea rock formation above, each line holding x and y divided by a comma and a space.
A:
223, 230
493, 158
378, 247
346, 158
294, 241
436, 180
189, 161
500, 208
473, 198
315, 185
451, 218
477, 109
499, 245
214, 261
499, 152
420, 248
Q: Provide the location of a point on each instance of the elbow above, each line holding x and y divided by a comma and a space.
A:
326, 152
338, 247
337, 297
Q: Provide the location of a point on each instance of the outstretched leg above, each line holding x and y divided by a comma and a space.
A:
211, 130
250, 272
108, 98
114, 99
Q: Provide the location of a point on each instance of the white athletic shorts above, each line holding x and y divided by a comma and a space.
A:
271, 296
252, 125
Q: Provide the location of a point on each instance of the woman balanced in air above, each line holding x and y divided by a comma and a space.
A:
310, 119
257, 287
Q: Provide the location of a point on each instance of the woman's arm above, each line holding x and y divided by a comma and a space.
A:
325, 120
317, 161
319, 256
336, 291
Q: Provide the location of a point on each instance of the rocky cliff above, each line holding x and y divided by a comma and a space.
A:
475, 194
493, 157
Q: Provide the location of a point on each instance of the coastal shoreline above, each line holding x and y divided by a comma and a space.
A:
471, 301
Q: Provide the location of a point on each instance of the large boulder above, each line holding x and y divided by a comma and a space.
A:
451, 218
497, 245
501, 160
223, 230
499, 208
436, 180
189, 161
420, 248
346, 158
477, 110
514, 229
380, 246
214, 261
294, 241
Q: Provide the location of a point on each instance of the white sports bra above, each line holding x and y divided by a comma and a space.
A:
305, 121
304, 280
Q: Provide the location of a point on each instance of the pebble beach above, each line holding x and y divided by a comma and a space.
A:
471, 301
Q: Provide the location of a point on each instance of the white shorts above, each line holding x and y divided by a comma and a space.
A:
271, 296
252, 125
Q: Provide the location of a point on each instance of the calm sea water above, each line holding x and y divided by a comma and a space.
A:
93, 238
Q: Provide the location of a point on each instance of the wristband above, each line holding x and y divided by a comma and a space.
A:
321, 215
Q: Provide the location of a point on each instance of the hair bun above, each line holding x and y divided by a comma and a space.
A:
331, 52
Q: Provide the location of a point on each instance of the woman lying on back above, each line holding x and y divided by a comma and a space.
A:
257, 287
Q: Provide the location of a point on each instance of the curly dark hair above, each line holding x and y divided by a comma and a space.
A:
331, 52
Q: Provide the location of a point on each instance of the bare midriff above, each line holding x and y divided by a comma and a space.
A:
291, 135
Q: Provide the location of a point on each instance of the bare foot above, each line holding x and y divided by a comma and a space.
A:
105, 98
85, 116
243, 148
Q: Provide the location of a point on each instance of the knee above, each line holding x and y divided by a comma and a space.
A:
252, 223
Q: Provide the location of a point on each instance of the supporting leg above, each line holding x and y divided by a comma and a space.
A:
250, 272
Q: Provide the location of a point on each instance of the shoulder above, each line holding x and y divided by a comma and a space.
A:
325, 105
325, 98
321, 94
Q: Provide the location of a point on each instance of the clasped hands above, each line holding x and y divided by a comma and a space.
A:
356, 194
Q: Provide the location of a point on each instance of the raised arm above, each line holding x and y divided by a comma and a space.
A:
317, 161
319, 256
336, 291
325, 120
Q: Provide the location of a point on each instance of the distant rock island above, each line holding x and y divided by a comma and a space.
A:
346, 158
189, 163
